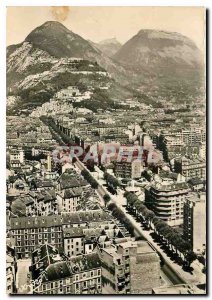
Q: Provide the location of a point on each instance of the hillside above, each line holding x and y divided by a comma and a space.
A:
109, 46
161, 58
51, 58
151, 64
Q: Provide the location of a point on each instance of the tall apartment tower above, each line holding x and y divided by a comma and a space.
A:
194, 225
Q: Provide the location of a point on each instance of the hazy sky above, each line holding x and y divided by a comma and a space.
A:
98, 23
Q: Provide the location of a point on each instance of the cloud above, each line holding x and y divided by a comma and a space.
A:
60, 13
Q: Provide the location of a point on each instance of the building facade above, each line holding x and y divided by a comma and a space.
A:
125, 169
191, 168
194, 225
167, 201
129, 268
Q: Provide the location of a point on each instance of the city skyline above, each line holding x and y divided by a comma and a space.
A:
106, 152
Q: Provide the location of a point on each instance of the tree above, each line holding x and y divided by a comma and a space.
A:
149, 216
111, 180
128, 226
106, 199
155, 220
111, 206
190, 257
167, 233
184, 246
131, 199
94, 183
118, 213
138, 205
159, 227
176, 240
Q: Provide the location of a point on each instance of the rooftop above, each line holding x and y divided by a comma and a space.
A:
59, 220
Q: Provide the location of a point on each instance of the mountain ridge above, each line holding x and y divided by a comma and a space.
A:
108, 46
149, 60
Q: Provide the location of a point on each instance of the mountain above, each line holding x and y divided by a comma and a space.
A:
54, 40
160, 56
109, 46
52, 58
150, 48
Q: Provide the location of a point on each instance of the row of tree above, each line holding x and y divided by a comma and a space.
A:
94, 184
111, 180
119, 214
54, 128
165, 233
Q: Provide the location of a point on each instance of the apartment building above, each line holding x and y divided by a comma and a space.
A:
68, 199
87, 274
73, 241
129, 268
194, 224
69, 180
84, 240
167, 201
41, 203
30, 232
187, 137
17, 155
53, 274
191, 168
131, 169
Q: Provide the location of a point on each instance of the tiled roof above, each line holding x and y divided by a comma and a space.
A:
72, 192
59, 220
45, 256
72, 232
83, 263
44, 183
58, 271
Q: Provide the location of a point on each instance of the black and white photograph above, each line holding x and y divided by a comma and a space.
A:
106, 145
